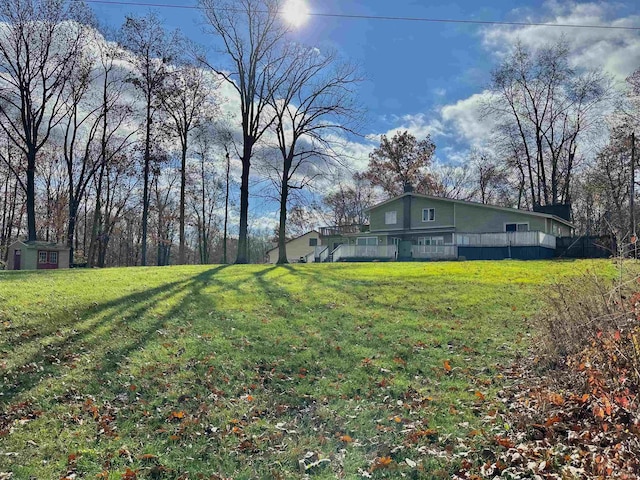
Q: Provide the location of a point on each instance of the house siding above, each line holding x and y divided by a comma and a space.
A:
296, 248
479, 219
444, 213
376, 216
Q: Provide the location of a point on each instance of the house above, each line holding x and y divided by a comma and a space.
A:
24, 255
297, 248
423, 227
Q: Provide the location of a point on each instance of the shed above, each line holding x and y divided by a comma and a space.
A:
25, 255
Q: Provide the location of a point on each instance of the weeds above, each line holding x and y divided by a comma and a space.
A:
572, 409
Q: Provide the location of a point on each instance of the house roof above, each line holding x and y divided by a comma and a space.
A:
475, 204
41, 245
296, 238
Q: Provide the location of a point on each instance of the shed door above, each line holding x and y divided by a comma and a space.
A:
17, 254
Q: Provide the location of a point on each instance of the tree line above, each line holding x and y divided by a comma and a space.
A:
114, 143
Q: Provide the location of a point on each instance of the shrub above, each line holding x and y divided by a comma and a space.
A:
594, 326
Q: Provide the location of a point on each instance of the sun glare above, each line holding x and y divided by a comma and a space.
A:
295, 12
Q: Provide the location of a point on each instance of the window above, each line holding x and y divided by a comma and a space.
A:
428, 214
431, 241
42, 257
463, 239
430, 246
313, 242
368, 241
53, 258
516, 227
390, 218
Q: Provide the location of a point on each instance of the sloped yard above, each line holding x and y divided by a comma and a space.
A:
358, 370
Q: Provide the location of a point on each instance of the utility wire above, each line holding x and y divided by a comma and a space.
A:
385, 18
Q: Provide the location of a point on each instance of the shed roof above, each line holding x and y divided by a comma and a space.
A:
39, 245
475, 204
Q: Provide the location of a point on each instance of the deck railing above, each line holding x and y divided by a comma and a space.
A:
434, 251
343, 230
505, 239
364, 251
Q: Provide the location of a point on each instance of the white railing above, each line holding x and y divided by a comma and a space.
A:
505, 239
434, 251
364, 251
323, 256
318, 252
547, 240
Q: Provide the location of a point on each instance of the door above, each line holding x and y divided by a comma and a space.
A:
404, 249
17, 254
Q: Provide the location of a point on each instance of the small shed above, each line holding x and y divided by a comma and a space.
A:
25, 255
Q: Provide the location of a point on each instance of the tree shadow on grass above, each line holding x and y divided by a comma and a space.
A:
112, 325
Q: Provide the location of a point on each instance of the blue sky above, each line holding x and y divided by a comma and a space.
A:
423, 76
429, 78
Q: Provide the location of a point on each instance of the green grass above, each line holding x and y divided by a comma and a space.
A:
244, 371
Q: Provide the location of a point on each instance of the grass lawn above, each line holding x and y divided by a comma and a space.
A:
332, 370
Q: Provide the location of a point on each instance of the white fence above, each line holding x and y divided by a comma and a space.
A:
434, 251
364, 251
506, 239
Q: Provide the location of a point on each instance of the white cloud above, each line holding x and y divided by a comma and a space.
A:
464, 119
617, 52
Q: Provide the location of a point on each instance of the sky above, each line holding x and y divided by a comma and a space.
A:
429, 77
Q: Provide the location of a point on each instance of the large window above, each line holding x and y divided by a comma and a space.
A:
368, 241
367, 246
516, 227
430, 246
428, 214
431, 241
390, 218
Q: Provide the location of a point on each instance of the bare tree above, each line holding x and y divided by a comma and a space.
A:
205, 190
152, 51
12, 196
115, 133
188, 100
348, 203
251, 33
312, 104
452, 181
39, 41
547, 106
492, 184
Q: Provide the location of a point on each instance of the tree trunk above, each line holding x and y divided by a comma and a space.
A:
145, 192
243, 248
226, 212
31, 195
71, 226
282, 228
183, 186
